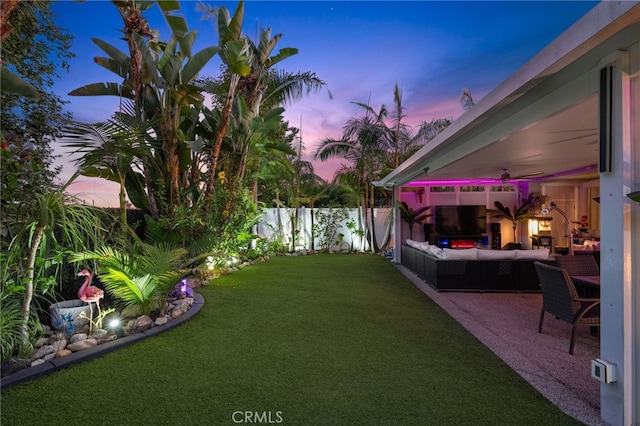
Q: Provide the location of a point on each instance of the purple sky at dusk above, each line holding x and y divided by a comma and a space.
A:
360, 49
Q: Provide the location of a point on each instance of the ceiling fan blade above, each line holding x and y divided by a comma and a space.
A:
528, 175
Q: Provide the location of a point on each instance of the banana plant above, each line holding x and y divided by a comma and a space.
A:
11, 83
168, 70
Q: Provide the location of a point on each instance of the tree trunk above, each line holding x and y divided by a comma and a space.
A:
123, 203
28, 291
217, 144
362, 224
172, 165
151, 193
5, 10
374, 243
387, 232
313, 241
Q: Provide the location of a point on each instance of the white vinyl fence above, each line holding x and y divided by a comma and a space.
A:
277, 223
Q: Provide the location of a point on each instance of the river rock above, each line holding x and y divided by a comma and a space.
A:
141, 323
41, 342
59, 345
100, 334
63, 353
182, 304
194, 283
41, 352
77, 337
176, 313
161, 320
82, 345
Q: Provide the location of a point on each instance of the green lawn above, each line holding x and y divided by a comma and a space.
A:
313, 340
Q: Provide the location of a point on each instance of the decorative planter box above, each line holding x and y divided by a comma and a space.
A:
64, 315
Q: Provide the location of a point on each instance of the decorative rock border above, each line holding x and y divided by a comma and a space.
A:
58, 364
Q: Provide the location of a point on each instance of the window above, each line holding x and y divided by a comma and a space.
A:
472, 188
502, 188
447, 188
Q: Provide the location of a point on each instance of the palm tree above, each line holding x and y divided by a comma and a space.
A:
362, 144
235, 55
400, 139
466, 99
519, 214
411, 216
109, 151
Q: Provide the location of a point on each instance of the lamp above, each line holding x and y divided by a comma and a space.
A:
566, 218
505, 177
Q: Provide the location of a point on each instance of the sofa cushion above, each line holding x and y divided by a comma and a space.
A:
424, 247
460, 254
538, 254
496, 254
435, 251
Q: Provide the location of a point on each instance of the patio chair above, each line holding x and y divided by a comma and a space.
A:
578, 264
560, 298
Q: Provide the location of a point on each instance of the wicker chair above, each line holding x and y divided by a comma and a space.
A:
559, 298
578, 264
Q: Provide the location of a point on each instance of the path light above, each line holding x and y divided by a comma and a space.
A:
211, 263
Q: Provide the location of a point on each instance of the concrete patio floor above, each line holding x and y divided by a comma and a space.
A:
507, 323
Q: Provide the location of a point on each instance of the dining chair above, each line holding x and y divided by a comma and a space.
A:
578, 264
560, 298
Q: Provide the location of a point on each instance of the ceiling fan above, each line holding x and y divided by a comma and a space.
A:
505, 177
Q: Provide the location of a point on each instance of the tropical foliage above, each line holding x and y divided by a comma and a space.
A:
519, 213
199, 172
142, 278
373, 148
412, 217
187, 165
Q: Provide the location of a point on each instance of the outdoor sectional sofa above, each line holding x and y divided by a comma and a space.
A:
474, 269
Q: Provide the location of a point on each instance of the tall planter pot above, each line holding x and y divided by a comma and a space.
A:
65, 315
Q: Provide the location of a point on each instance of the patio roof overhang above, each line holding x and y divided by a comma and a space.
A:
543, 120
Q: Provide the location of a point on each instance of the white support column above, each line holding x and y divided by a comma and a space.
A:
618, 293
397, 226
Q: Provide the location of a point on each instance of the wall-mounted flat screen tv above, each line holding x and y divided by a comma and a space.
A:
461, 220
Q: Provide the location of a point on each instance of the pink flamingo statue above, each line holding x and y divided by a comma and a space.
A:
89, 293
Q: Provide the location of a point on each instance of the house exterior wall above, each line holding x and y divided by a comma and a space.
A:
485, 194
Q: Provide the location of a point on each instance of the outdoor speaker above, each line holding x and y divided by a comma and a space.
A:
495, 228
605, 112
496, 241
428, 228
429, 233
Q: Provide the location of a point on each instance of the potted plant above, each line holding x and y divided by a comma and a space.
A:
411, 216
519, 214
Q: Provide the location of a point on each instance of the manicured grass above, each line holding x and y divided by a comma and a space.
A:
313, 340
